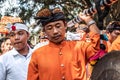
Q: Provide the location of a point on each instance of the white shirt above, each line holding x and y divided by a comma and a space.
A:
40, 45
14, 66
73, 36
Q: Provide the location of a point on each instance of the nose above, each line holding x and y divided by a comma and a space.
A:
55, 30
16, 36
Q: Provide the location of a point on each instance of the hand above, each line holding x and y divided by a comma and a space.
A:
85, 18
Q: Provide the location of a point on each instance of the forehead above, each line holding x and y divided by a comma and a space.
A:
17, 31
2, 44
8, 40
53, 23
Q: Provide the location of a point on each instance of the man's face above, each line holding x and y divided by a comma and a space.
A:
19, 39
8, 45
3, 47
55, 31
113, 35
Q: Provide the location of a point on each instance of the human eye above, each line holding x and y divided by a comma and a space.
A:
20, 33
49, 27
58, 25
11, 35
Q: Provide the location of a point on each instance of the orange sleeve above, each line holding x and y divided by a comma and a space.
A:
94, 46
33, 68
83, 51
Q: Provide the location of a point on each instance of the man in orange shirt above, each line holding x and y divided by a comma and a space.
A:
62, 59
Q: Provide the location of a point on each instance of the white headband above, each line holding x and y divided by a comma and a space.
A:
17, 26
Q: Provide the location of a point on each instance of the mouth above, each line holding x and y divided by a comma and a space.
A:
17, 43
56, 37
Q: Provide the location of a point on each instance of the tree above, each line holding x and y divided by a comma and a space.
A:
26, 9
114, 13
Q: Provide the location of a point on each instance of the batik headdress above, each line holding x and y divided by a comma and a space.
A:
45, 16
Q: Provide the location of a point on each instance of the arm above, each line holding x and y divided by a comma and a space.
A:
85, 50
2, 69
87, 19
33, 69
94, 46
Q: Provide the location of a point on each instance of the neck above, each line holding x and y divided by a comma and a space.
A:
24, 51
58, 43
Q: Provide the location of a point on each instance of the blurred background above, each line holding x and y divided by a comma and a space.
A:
25, 10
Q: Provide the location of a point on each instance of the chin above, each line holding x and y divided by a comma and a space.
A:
58, 41
18, 48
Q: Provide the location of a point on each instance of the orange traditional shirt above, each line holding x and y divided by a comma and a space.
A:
66, 61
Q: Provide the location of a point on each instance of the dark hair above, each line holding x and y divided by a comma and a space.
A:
108, 67
114, 25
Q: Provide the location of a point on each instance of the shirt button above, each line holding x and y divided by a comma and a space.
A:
62, 65
60, 53
63, 78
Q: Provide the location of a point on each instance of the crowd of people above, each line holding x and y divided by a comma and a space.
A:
60, 55
5, 45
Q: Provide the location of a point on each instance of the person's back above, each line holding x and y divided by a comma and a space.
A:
108, 67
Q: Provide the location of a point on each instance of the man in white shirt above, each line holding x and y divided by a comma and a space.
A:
14, 63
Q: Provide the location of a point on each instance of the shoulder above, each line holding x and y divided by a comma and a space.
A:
7, 54
40, 50
5, 58
40, 45
77, 43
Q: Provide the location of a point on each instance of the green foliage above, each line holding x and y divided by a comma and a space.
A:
28, 8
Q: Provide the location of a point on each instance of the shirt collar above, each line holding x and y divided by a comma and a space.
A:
15, 53
58, 45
